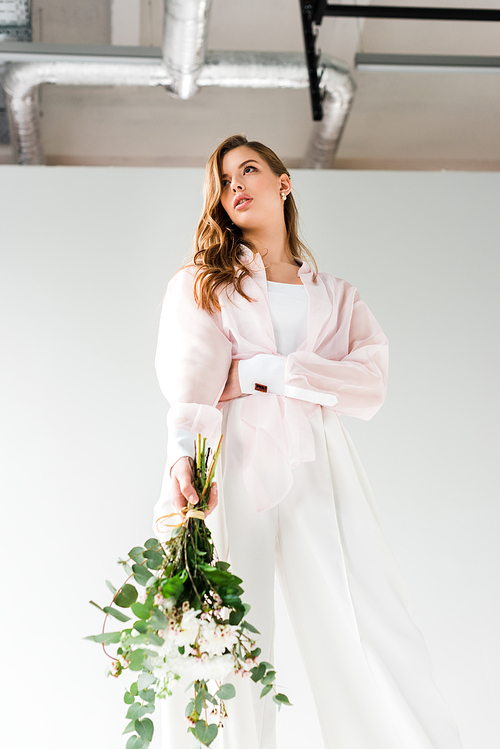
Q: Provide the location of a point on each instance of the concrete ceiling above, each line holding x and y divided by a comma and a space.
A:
398, 120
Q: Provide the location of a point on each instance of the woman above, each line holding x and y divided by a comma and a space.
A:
255, 344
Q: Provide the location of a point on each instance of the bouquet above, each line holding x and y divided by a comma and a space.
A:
190, 622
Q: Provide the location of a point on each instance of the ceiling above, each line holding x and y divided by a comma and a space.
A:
399, 120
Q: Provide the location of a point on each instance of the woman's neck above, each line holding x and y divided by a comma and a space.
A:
271, 243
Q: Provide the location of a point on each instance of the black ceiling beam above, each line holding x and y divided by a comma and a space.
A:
312, 59
313, 12
323, 8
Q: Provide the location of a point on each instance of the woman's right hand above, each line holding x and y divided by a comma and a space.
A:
183, 490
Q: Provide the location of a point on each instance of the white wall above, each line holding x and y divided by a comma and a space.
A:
86, 254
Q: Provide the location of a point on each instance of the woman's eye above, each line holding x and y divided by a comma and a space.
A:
248, 167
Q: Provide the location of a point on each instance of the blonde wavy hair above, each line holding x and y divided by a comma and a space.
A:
217, 241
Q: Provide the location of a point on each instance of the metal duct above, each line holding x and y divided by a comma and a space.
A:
184, 33
226, 69
288, 70
21, 87
325, 138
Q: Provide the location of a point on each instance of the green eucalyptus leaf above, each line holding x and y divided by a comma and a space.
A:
150, 663
152, 543
247, 608
136, 659
128, 698
111, 587
148, 695
267, 666
116, 614
155, 639
154, 560
205, 733
158, 620
126, 597
281, 699
129, 727
136, 554
255, 653
141, 627
97, 606
141, 610
258, 672
149, 708
133, 711
226, 692
269, 677
265, 690
250, 627
222, 566
135, 742
145, 728
145, 680
189, 708
199, 702
141, 574
106, 638
134, 689
141, 639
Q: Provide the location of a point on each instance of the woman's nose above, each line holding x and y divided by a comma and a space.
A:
236, 185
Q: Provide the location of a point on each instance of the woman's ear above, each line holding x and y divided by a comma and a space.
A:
285, 184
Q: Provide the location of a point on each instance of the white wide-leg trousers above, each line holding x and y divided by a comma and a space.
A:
367, 662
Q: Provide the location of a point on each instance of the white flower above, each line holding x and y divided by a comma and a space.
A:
215, 638
218, 668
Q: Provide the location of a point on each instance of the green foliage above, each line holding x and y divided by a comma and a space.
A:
145, 728
174, 586
181, 574
141, 574
204, 732
250, 628
116, 614
226, 692
141, 610
281, 699
135, 742
126, 597
107, 638
154, 560
145, 680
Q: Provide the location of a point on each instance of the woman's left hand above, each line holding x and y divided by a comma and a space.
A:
232, 389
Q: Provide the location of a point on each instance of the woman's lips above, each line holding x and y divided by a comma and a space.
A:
244, 202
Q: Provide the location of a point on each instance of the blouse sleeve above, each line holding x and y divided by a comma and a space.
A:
355, 384
192, 363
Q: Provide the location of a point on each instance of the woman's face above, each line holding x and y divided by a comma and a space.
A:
251, 192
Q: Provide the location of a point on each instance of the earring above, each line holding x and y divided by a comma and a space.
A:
283, 195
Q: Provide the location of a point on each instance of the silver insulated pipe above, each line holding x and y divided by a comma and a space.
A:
21, 88
184, 34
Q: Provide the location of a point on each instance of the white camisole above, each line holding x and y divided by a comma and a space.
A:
288, 304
